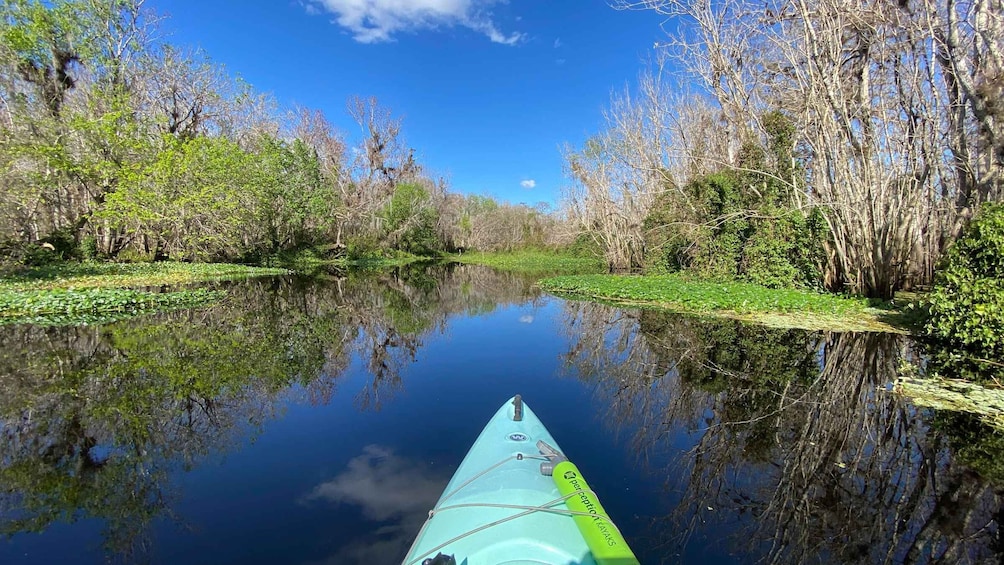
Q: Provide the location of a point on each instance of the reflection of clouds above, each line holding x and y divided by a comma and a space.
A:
526, 319
386, 487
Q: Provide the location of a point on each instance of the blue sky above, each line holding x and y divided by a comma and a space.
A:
488, 89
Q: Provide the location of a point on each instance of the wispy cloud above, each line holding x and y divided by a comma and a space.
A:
528, 183
558, 43
526, 319
311, 9
375, 21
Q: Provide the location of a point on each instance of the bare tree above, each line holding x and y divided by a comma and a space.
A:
876, 90
654, 141
185, 91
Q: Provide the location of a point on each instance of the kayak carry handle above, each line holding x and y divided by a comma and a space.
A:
553, 458
601, 535
517, 403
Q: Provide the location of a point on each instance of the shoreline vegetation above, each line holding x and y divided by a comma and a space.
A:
91, 293
584, 278
71, 293
534, 262
70, 276
782, 308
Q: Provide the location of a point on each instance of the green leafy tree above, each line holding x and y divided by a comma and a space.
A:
967, 303
289, 199
188, 200
73, 125
410, 220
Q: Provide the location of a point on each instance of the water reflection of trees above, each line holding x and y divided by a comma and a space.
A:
799, 451
389, 313
94, 418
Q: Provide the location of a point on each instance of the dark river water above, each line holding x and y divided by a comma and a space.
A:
316, 422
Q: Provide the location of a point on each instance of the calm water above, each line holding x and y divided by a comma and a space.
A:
316, 421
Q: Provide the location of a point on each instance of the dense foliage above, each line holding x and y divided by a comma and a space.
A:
741, 223
967, 304
731, 237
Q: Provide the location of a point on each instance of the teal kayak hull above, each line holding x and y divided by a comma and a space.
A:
503, 468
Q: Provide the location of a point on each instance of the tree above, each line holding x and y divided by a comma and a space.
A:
187, 201
886, 127
654, 143
185, 91
287, 198
409, 220
64, 77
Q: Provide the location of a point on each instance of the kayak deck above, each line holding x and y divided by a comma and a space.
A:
491, 511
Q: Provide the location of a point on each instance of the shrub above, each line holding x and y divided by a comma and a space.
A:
132, 255
89, 248
39, 256
966, 307
723, 233
585, 245
766, 255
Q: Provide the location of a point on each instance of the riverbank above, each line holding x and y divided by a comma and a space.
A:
534, 262
86, 293
786, 308
127, 275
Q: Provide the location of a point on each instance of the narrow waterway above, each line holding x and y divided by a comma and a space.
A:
315, 421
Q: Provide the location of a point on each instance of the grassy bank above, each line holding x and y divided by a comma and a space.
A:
316, 261
533, 262
777, 308
82, 293
126, 275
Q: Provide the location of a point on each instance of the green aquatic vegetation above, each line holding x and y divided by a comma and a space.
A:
61, 307
955, 395
127, 275
93, 293
774, 307
535, 262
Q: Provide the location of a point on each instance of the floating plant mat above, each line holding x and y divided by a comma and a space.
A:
951, 394
94, 305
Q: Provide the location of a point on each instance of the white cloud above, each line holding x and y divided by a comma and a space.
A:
526, 319
382, 484
528, 183
387, 488
375, 21
311, 9
558, 43
559, 61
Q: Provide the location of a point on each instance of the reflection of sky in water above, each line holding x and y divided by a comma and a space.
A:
386, 488
698, 435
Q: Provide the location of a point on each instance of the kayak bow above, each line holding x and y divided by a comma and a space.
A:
517, 499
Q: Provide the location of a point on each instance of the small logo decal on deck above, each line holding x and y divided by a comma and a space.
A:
517, 437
